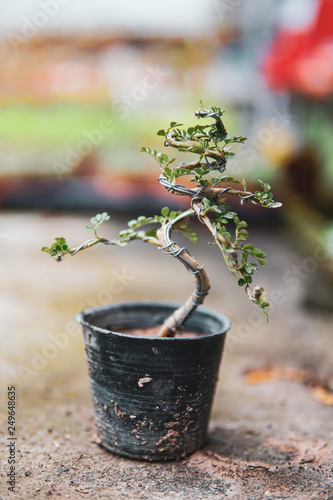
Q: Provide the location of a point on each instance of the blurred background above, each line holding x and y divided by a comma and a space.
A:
83, 85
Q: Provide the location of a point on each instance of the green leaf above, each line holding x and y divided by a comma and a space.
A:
191, 234
165, 211
265, 185
175, 124
151, 232
141, 219
226, 234
132, 223
161, 132
250, 267
242, 235
58, 248
236, 218
126, 232
261, 261
257, 253
89, 228
275, 204
98, 219
229, 154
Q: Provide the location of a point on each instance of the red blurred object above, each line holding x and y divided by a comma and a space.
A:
302, 60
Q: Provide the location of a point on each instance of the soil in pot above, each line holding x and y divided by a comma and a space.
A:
153, 331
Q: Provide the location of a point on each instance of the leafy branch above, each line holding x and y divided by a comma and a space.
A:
210, 147
59, 248
211, 143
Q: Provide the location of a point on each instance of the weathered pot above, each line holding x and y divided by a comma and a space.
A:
151, 396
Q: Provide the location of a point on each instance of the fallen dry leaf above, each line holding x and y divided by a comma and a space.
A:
322, 395
269, 373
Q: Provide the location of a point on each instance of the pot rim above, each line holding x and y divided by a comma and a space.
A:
226, 323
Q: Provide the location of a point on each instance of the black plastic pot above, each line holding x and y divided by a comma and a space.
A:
152, 396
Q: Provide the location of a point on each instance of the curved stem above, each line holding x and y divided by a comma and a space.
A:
88, 244
174, 322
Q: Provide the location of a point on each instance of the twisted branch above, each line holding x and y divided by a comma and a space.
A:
174, 322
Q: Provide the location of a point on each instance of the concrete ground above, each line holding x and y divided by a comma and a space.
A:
271, 430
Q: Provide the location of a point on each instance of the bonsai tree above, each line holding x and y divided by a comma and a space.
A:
209, 143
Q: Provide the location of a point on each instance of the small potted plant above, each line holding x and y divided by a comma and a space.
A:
153, 366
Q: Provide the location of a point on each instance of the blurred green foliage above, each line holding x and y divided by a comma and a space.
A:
63, 124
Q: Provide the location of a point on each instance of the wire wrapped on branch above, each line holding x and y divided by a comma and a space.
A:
180, 316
